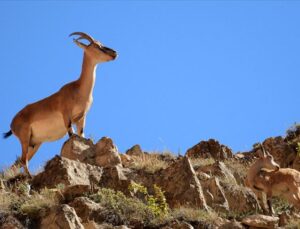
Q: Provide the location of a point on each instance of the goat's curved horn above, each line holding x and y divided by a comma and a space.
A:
264, 151
83, 36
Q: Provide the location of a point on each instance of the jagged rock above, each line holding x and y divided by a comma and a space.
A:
240, 199
8, 221
104, 153
85, 208
117, 178
135, 150
214, 194
79, 148
283, 154
107, 153
210, 148
218, 169
181, 185
88, 211
60, 170
62, 216
126, 160
261, 221
73, 191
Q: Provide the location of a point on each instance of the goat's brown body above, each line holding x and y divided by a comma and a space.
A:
49, 118
281, 182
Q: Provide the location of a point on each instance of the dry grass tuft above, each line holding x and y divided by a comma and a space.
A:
38, 201
151, 163
293, 224
200, 162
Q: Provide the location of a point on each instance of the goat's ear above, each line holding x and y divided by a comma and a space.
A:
81, 45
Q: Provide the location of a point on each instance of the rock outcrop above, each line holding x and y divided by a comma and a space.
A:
107, 153
210, 148
60, 170
181, 185
197, 190
62, 216
135, 150
261, 221
104, 153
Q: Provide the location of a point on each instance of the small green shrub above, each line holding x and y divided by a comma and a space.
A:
157, 202
128, 209
298, 148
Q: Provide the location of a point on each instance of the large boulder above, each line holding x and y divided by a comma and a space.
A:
62, 216
104, 153
218, 169
135, 150
107, 153
89, 211
117, 178
214, 194
181, 185
79, 148
261, 221
60, 170
210, 148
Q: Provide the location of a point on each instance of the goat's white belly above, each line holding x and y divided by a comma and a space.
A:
48, 129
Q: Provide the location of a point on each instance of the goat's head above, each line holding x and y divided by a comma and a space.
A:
267, 160
94, 49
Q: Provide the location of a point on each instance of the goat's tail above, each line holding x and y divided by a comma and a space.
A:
7, 134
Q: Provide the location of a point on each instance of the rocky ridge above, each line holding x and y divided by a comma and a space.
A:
93, 185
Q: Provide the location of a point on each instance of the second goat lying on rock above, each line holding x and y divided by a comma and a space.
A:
282, 182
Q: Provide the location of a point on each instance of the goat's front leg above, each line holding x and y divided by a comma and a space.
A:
80, 124
269, 202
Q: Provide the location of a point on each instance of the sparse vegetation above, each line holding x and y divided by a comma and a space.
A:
157, 202
150, 163
46, 198
128, 209
280, 205
298, 148
293, 224
199, 162
146, 206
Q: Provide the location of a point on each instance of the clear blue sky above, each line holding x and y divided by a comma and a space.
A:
187, 70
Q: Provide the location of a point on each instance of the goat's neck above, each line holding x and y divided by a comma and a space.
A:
254, 170
87, 76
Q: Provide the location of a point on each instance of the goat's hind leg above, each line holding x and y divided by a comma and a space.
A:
68, 124
80, 124
24, 157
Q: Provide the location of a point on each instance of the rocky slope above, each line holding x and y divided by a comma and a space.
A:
94, 186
